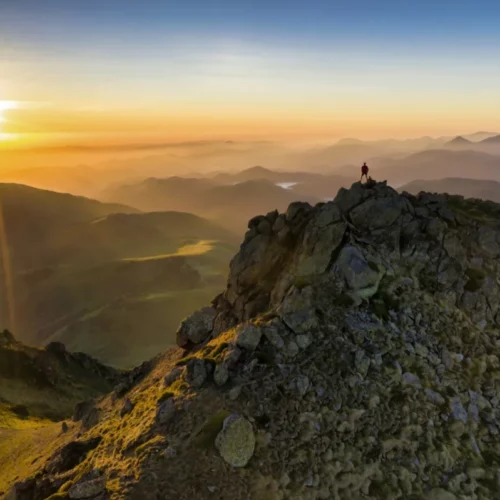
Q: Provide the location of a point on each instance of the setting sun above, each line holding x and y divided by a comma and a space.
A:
6, 106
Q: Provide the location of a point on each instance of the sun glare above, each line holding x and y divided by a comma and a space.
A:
6, 106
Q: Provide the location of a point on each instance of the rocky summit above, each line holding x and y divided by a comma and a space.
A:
355, 354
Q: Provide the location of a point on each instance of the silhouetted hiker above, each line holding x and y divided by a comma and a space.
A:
364, 172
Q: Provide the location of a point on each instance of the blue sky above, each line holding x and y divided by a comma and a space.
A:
427, 60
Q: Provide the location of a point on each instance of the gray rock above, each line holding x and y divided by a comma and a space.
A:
248, 337
362, 362
296, 209
458, 411
347, 199
264, 227
232, 356
303, 341
302, 384
279, 224
272, 335
87, 489
197, 327
174, 375
319, 243
411, 379
292, 349
196, 372
360, 276
166, 411
234, 393
378, 213
434, 397
236, 441
221, 374
301, 322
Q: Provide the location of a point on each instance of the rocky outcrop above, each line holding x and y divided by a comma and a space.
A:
366, 234
197, 327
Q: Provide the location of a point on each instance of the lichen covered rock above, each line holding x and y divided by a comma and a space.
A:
236, 441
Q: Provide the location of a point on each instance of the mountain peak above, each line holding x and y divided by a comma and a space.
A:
459, 141
354, 347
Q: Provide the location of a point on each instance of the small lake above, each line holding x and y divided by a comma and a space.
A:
286, 185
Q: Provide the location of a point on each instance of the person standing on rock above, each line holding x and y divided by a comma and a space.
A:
364, 172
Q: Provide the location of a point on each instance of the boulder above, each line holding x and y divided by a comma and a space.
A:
72, 454
236, 441
197, 327
248, 337
221, 374
361, 276
196, 373
174, 375
82, 409
166, 411
347, 199
87, 489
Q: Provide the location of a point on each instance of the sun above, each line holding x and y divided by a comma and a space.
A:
5, 106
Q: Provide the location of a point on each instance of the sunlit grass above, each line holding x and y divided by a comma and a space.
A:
193, 249
9, 420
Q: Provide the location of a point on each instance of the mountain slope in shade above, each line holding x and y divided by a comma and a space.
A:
95, 280
469, 188
49, 382
491, 140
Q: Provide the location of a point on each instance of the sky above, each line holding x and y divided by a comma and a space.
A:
98, 72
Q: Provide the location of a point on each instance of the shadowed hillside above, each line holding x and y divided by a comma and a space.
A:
75, 271
47, 383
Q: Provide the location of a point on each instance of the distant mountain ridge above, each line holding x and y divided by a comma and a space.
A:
468, 188
230, 203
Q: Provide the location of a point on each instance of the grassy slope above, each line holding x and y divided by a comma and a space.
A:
25, 445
